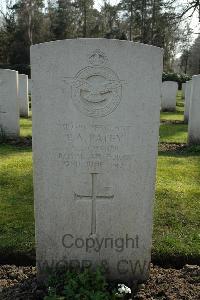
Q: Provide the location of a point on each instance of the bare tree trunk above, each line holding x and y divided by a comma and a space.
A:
85, 19
143, 29
153, 19
131, 20
29, 7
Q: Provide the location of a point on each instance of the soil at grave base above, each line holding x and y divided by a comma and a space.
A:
19, 283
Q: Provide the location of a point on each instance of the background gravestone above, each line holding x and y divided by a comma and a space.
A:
183, 88
168, 99
187, 100
96, 106
194, 114
9, 109
23, 95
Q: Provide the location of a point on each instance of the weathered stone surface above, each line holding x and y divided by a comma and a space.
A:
194, 114
23, 95
95, 112
187, 100
169, 91
9, 109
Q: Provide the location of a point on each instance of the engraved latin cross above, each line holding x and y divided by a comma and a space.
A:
93, 197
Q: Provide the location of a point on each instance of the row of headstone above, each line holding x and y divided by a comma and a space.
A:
13, 101
192, 104
168, 95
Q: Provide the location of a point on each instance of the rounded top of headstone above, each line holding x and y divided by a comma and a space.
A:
7, 74
196, 77
103, 41
171, 83
7, 70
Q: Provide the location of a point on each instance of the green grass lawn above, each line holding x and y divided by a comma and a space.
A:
25, 127
173, 133
176, 214
172, 116
16, 201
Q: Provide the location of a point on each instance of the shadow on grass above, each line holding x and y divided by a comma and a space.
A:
166, 113
178, 150
26, 119
20, 144
162, 260
174, 261
10, 257
180, 103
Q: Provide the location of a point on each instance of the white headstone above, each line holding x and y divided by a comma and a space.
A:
95, 111
187, 100
194, 115
23, 95
9, 109
169, 92
183, 88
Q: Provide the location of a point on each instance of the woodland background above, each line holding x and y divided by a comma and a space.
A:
163, 23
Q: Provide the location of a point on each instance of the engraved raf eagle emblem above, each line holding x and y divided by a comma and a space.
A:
96, 89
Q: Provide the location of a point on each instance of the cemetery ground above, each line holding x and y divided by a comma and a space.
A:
176, 238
